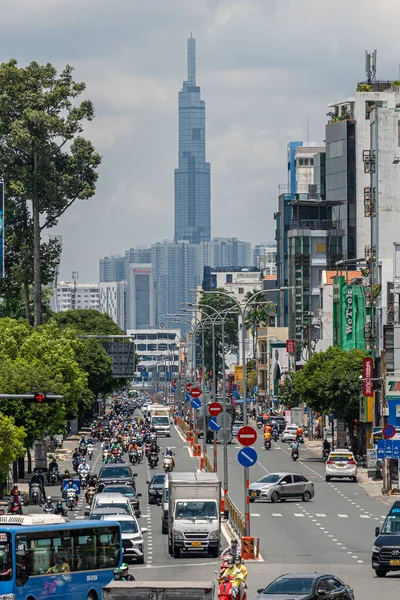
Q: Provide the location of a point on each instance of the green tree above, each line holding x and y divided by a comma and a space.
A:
287, 394
91, 355
251, 381
46, 164
330, 381
258, 314
12, 440
219, 303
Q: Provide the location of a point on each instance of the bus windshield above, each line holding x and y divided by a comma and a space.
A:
5, 557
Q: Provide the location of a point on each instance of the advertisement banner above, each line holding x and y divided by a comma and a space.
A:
279, 365
392, 387
348, 315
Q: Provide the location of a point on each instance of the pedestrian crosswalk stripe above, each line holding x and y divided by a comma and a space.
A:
298, 515
320, 515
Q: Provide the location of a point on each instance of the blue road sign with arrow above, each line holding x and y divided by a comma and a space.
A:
247, 457
188, 396
195, 403
213, 424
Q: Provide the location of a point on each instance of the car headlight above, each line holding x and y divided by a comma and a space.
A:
137, 541
214, 535
266, 488
374, 549
178, 535
152, 491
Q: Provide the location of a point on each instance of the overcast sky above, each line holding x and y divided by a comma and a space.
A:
264, 67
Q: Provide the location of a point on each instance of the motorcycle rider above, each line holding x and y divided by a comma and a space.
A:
240, 565
169, 454
71, 486
295, 447
60, 510
52, 465
125, 572
235, 575
267, 436
36, 480
299, 432
49, 504
90, 449
326, 445
83, 467
232, 550
15, 498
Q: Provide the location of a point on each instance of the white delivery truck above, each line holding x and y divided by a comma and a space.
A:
194, 513
159, 590
160, 419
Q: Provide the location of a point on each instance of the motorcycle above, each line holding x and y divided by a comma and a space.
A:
295, 454
83, 476
90, 453
140, 455
259, 423
300, 439
133, 457
90, 492
35, 493
275, 436
53, 477
325, 454
15, 508
71, 499
267, 444
225, 590
82, 450
168, 464
153, 460
48, 510
75, 464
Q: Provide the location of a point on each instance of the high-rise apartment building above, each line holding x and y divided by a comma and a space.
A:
264, 258
72, 295
112, 268
226, 252
192, 177
112, 301
140, 297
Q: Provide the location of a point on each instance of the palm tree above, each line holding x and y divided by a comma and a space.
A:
258, 315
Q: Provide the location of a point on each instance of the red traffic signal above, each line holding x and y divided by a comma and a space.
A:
39, 397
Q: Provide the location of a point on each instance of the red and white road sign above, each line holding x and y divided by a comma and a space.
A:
195, 392
291, 346
247, 435
214, 409
189, 386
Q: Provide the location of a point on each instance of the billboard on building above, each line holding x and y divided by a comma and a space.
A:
348, 315
1, 229
279, 366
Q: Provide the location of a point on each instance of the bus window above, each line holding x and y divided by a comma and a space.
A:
5, 557
44, 550
107, 548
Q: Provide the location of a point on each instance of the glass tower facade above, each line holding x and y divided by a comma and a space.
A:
192, 177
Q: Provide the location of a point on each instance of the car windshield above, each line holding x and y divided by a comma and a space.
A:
128, 526
158, 480
117, 507
291, 428
160, 421
110, 472
391, 524
269, 479
196, 510
5, 557
126, 490
284, 585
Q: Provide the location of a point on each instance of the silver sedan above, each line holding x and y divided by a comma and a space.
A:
277, 487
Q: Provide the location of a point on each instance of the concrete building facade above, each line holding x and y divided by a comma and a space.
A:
72, 295
112, 301
140, 297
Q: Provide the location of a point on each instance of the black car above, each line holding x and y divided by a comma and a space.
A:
156, 486
129, 492
280, 422
116, 474
306, 586
386, 548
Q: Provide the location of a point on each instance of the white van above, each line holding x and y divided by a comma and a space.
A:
112, 500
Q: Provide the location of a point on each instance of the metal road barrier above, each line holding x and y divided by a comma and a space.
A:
236, 519
207, 464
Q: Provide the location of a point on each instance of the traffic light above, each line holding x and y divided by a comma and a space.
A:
43, 398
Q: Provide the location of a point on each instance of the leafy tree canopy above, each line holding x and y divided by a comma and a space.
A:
12, 440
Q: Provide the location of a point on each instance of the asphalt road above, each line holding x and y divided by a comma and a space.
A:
333, 533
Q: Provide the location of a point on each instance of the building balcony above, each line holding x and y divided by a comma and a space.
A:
321, 224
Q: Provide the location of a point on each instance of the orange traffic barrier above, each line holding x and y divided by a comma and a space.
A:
201, 463
189, 436
247, 548
222, 505
196, 450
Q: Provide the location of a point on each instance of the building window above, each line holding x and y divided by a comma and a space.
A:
229, 278
196, 134
241, 291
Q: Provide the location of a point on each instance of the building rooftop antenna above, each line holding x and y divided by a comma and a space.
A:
370, 65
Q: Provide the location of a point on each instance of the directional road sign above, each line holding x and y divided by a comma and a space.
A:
247, 436
213, 425
187, 396
247, 457
195, 392
389, 431
189, 386
388, 449
195, 403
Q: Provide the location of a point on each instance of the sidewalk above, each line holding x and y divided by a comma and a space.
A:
371, 487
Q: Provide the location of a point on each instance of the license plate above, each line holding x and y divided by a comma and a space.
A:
341, 465
395, 563
197, 544
253, 493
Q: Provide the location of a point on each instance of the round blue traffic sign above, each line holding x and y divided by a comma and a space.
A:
247, 457
213, 424
195, 403
389, 431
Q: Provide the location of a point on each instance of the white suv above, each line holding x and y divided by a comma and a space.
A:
341, 464
112, 500
132, 536
290, 434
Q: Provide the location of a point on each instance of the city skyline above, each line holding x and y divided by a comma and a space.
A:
260, 94
192, 177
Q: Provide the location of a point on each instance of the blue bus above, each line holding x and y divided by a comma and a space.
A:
42, 555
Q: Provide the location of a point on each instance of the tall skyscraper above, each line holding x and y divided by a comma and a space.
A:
192, 177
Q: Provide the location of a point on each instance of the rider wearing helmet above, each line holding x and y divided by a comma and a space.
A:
125, 572
235, 575
118, 575
233, 549
239, 565
48, 503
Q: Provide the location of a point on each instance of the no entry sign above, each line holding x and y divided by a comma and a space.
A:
214, 409
189, 386
247, 436
195, 392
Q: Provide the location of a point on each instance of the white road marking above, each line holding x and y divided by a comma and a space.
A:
365, 517
298, 515
343, 516
254, 514
276, 514
320, 515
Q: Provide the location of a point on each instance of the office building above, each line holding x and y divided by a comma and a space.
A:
112, 301
112, 268
220, 252
264, 258
192, 177
158, 352
71, 295
140, 297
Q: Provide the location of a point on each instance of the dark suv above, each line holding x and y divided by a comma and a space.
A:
156, 486
116, 474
